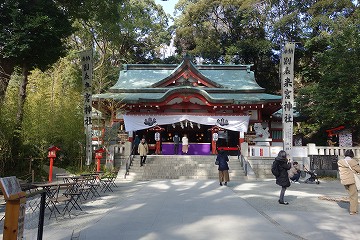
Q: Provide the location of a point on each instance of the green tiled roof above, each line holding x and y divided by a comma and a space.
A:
135, 79
235, 83
143, 76
233, 79
237, 98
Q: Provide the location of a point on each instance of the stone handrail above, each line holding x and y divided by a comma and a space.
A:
298, 151
339, 151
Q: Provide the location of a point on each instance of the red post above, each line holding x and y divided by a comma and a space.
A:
158, 143
241, 138
157, 149
51, 155
214, 139
98, 156
98, 165
51, 169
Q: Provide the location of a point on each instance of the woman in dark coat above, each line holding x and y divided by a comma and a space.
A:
283, 179
223, 168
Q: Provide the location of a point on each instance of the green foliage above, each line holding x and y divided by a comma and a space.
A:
53, 115
128, 31
119, 31
231, 32
251, 31
26, 29
333, 99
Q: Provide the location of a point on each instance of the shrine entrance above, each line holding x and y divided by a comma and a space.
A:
189, 99
200, 139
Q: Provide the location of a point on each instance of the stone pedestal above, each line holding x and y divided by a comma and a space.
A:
262, 141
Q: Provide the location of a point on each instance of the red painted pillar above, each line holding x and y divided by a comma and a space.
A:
51, 169
241, 138
158, 143
214, 139
157, 150
98, 164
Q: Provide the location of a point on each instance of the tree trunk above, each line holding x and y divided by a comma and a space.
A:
20, 113
6, 69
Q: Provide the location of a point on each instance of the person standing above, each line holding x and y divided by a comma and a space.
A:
185, 144
143, 150
283, 165
136, 143
176, 140
222, 158
347, 167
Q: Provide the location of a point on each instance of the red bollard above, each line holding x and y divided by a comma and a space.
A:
98, 156
51, 155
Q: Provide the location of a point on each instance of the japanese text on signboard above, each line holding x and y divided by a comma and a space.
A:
86, 64
287, 82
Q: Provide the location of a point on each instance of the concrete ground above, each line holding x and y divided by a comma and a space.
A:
201, 209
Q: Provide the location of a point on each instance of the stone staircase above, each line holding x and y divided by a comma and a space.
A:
182, 167
261, 166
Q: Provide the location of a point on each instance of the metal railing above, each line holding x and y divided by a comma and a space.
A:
129, 161
34, 215
243, 163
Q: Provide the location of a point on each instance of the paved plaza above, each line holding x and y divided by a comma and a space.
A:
201, 209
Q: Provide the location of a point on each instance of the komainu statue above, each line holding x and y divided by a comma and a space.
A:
260, 131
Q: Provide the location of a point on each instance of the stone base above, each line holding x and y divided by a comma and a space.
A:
262, 141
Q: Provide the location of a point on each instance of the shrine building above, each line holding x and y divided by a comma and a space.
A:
216, 106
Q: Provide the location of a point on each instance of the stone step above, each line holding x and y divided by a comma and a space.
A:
186, 172
133, 176
182, 167
148, 166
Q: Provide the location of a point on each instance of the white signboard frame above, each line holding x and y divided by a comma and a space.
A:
287, 86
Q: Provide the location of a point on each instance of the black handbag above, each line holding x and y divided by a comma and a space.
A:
216, 162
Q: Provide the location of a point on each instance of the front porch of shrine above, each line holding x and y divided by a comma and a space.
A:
203, 139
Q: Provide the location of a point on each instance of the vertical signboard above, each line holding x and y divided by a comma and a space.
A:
86, 65
15, 208
287, 85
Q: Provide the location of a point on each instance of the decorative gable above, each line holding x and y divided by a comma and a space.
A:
186, 74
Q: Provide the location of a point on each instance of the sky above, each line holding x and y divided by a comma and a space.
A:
167, 5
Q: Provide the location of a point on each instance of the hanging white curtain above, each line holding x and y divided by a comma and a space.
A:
138, 122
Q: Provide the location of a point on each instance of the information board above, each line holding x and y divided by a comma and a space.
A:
9, 186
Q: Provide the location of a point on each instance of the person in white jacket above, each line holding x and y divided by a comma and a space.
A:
347, 167
185, 144
143, 150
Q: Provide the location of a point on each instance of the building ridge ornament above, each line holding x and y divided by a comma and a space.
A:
186, 74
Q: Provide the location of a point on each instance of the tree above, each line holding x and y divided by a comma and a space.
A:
53, 115
53, 110
227, 32
333, 99
6, 69
127, 31
319, 24
32, 36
